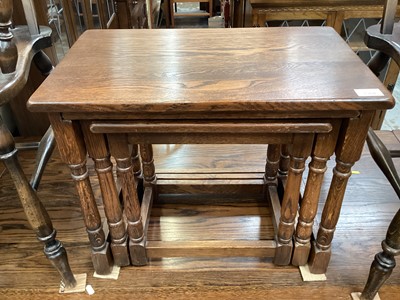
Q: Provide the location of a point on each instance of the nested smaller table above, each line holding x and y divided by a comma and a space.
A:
302, 91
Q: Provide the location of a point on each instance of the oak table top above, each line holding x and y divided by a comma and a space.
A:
220, 70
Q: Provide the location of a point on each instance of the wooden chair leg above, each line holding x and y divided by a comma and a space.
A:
172, 13
384, 261
381, 156
36, 214
45, 150
47, 143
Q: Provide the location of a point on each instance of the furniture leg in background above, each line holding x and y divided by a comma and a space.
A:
36, 214
19, 47
382, 38
384, 261
47, 143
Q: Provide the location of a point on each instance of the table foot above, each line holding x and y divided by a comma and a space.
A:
113, 275
102, 260
120, 254
319, 260
283, 254
138, 253
301, 254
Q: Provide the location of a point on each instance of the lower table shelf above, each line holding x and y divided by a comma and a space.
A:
206, 225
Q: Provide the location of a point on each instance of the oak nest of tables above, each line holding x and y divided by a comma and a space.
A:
302, 91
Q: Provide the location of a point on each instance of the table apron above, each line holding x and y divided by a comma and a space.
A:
216, 138
203, 132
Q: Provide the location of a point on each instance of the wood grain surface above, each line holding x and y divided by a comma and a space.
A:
254, 70
368, 207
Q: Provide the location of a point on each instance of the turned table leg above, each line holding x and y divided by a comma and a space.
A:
73, 152
284, 160
324, 147
149, 174
272, 164
36, 214
135, 157
302, 145
137, 169
98, 151
126, 169
348, 151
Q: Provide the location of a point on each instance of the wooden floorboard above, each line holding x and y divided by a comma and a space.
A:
368, 208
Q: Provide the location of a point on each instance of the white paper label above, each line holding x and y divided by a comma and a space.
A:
89, 289
368, 92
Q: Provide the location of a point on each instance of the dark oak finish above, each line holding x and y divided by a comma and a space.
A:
36, 214
323, 149
9, 53
302, 145
11, 82
333, 12
97, 149
266, 66
384, 262
294, 87
119, 149
17, 49
272, 163
383, 39
73, 152
199, 277
172, 13
348, 151
27, 123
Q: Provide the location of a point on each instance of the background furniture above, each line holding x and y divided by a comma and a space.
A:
334, 13
385, 38
18, 49
174, 13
